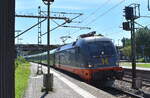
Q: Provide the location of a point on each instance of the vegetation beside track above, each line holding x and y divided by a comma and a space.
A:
144, 65
22, 72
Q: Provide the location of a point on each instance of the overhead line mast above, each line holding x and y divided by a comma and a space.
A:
39, 68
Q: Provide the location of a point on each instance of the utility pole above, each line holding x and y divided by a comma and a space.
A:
48, 78
48, 35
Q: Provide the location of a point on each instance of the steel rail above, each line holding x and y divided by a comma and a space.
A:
128, 93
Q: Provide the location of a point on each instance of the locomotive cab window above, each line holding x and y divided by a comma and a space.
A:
101, 48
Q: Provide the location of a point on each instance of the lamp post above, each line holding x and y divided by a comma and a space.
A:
48, 78
48, 2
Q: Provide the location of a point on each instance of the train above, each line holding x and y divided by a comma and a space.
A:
92, 57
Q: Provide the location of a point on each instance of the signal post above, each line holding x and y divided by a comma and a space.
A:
130, 15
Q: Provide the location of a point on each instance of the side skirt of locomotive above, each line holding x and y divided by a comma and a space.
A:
94, 74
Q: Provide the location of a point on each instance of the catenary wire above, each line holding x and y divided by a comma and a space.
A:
104, 13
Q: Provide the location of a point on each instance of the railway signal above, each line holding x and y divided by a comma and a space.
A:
126, 26
129, 13
132, 12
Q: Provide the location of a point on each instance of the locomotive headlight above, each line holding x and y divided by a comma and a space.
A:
90, 65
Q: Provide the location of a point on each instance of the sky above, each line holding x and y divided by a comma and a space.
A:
103, 16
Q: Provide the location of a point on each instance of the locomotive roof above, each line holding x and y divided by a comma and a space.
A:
72, 45
83, 40
95, 38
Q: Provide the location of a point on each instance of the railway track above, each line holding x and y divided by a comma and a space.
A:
129, 94
145, 82
125, 91
130, 76
126, 83
114, 90
122, 93
126, 88
144, 74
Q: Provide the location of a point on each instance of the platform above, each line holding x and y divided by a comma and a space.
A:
64, 87
139, 68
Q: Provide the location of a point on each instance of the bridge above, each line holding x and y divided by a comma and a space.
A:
27, 49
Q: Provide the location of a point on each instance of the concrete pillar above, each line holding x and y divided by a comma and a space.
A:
7, 48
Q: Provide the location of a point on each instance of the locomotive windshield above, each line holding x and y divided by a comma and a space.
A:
101, 48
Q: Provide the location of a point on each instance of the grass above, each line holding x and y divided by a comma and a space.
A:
22, 73
144, 65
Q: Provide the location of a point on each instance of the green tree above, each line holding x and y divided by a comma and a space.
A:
127, 51
143, 41
126, 42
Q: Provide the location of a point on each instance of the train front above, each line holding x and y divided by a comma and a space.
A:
102, 60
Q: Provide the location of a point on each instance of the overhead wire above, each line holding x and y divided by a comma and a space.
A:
95, 11
92, 13
104, 13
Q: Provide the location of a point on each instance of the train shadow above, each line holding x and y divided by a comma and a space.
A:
44, 95
99, 85
74, 76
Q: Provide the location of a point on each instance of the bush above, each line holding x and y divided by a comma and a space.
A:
20, 61
22, 73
